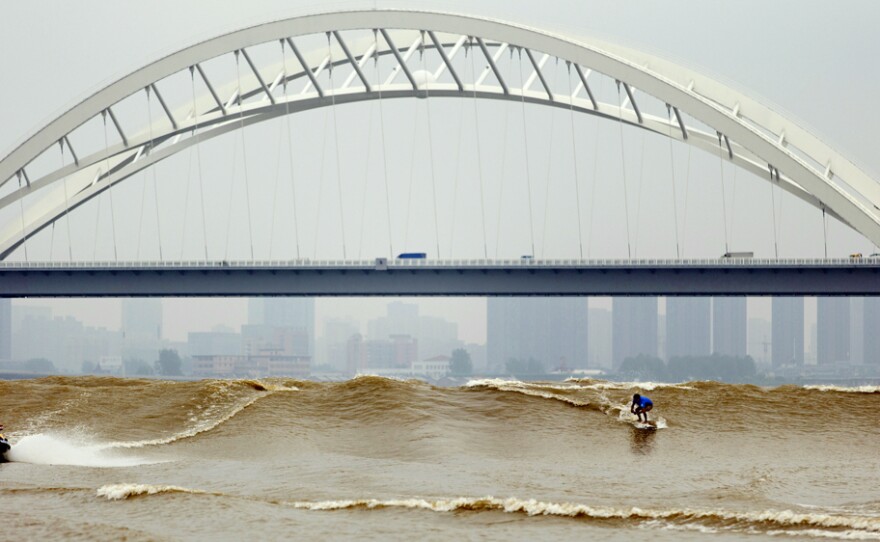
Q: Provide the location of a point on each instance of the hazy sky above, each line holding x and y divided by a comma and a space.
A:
816, 58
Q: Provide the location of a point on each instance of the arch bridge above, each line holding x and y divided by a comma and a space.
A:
429, 54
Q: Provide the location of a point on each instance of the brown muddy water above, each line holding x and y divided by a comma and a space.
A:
375, 458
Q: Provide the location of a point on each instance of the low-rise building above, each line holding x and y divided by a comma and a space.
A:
434, 368
251, 366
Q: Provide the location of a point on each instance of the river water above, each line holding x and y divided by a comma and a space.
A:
375, 458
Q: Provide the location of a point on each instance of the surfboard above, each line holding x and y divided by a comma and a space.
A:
645, 425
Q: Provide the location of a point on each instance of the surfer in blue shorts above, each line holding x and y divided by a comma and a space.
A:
641, 405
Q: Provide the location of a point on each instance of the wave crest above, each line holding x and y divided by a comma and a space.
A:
835, 526
843, 389
119, 492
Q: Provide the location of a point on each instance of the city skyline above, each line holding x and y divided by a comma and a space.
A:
795, 86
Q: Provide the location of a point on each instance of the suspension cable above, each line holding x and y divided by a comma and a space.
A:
290, 147
21, 212
501, 183
623, 169
51, 240
189, 165
153, 168
674, 191
247, 189
687, 184
639, 195
366, 181
278, 156
456, 176
825, 231
97, 223
526, 142
275, 189
595, 177
549, 170
382, 130
412, 162
52, 236
781, 203
723, 195
773, 208
67, 205
321, 180
733, 208
198, 135
141, 214
430, 142
336, 140
110, 189
231, 196
95, 240
577, 189
547, 183
479, 152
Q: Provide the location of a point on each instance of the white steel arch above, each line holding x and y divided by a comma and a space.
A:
754, 137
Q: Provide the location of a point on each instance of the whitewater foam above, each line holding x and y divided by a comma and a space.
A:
45, 449
626, 416
590, 384
118, 492
843, 389
784, 521
533, 390
770, 522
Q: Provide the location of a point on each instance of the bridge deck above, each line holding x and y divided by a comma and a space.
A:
381, 277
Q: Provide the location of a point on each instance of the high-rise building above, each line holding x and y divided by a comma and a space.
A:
550, 330
279, 340
64, 341
760, 333
397, 352
141, 329
787, 331
633, 328
478, 356
871, 336
214, 343
434, 336
857, 330
832, 327
599, 342
5, 329
142, 318
335, 340
437, 337
355, 356
288, 312
400, 319
688, 330
729, 326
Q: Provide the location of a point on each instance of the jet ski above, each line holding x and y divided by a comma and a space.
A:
4, 447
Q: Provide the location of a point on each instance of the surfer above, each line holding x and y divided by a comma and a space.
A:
641, 405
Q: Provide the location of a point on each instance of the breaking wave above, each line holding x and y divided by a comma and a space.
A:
95, 421
53, 450
119, 492
842, 389
840, 525
768, 521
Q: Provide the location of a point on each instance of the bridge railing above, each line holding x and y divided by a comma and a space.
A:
443, 264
